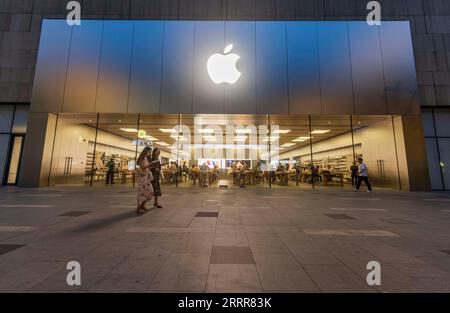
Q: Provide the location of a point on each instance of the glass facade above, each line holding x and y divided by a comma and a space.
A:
13, 126
299, 151
436, 123
287, 67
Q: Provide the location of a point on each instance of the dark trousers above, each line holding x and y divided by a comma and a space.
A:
354, 180
110, 177
363, 179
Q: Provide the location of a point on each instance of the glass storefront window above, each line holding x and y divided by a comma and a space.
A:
13, 120
115, 149
4, 149
427, 122
294, 146
20, 119
375, 143
73, 149
14, 160
442, 119
332, 151
161, 131
6, 117
301, 151
436, 123
444, 162
434, 164
228, 150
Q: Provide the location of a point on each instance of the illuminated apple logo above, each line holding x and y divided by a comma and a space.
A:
222, 67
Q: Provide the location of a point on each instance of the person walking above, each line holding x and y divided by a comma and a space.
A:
155, 168
111, 168
203, 173
354, 173
145, 177
362, 175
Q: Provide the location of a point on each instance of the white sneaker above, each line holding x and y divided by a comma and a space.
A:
369, 190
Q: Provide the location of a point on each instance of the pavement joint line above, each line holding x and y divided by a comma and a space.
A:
357, 198
26, 206
349, 232
51, 195
358, 209
15, 228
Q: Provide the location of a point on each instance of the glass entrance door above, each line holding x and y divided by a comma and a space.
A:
14, 159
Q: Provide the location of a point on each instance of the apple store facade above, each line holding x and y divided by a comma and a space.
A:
315, 95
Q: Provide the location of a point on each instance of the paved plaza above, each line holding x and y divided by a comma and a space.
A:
224, 240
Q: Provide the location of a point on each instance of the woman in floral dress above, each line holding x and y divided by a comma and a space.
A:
155, 167
145, 177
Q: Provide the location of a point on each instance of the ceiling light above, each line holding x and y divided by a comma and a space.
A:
148, 137
243, 131
180, 138
129, 130
300, 139
163, 144
282, 131
320, 131
272, 138
287, 145
167, 130
206, 130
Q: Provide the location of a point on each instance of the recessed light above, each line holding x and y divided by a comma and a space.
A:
282, 131
272, 138
148, 137
287, 145
206, 130
129, 130
167, 130
181, 138
209, 138
320, 131
163, 144
303, 138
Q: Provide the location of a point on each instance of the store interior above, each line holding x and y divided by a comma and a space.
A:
229, 151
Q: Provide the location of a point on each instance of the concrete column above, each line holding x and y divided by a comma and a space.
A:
411, 152
37, 151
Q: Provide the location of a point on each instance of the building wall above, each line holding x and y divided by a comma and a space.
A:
20, 22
